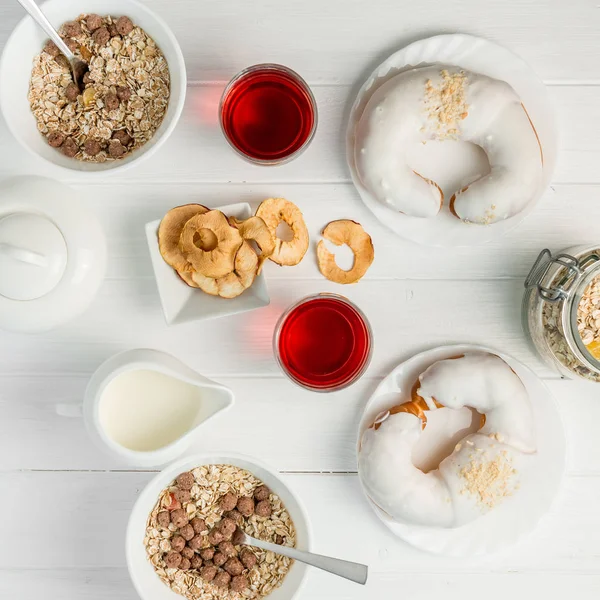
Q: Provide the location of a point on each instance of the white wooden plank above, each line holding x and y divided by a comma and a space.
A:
76, 520
406, 316
114, 583
197, 150
336, 41
556, 223
291, 428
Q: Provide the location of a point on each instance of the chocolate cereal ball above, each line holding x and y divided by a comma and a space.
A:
123, 93
185, 565
227, 526
124, 25
222, 579
199, 525
219, 559
248, 559
263, 508
235, 515
187, 532
164, 519
55, 139
215, 537
126, 139
116, 149
228, 501
179, 518
177, 543
279, 539
234, 567
196, 562
227, 548
207, 553
246, 506
51, 48
93, 22
71, 29
71, 92
182, 496
196, 542
262, 492
101, 36
238, 537
185, 481
208, 572
92, 147
239, 583
111, 101
173, 559
69, 147
188, 553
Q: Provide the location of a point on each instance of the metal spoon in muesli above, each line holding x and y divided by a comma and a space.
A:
78, 67
342, 568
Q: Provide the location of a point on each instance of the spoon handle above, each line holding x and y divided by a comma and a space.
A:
40, 18
343, 568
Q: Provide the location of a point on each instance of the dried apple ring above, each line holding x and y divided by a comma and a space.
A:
256, 229
350, 233
275, 210
209, 243
169, 233
235, 283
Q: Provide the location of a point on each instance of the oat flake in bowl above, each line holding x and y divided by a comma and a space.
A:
126, 90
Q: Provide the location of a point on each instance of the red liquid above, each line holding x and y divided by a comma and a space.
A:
267, 115
324, 343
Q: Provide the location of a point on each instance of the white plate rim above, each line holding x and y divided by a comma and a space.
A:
454, 49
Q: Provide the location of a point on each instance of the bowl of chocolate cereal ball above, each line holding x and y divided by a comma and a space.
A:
131, 97
183, 537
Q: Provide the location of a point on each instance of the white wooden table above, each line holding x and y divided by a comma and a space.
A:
64, 505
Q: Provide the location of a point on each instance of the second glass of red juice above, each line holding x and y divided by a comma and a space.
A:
323, 343
268, 114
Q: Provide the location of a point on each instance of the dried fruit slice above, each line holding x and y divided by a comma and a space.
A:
256, 229
275, 210
169, 233
209, 243
350, 233
237, 282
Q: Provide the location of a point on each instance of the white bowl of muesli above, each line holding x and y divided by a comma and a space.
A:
134, 90
181, 537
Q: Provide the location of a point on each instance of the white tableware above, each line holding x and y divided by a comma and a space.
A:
342, 568
182, 303
146, 581
52, 254
27, 40
451, 164
213, 398
518, 515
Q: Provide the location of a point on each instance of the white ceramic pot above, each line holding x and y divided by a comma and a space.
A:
145, 580
27, 40
215, 398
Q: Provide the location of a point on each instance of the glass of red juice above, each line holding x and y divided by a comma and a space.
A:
268, 114
323, 343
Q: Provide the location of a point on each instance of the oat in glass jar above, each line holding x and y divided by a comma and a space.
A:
561, 310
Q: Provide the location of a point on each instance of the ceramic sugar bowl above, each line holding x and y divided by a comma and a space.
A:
52, 254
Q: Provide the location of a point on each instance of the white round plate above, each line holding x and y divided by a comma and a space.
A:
518, 515
452, 165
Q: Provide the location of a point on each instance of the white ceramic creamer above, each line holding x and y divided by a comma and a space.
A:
145, 406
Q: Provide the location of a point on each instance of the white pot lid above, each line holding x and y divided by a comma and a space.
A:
33, 256
52, 254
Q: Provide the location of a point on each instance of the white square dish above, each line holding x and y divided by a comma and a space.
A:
182, 303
